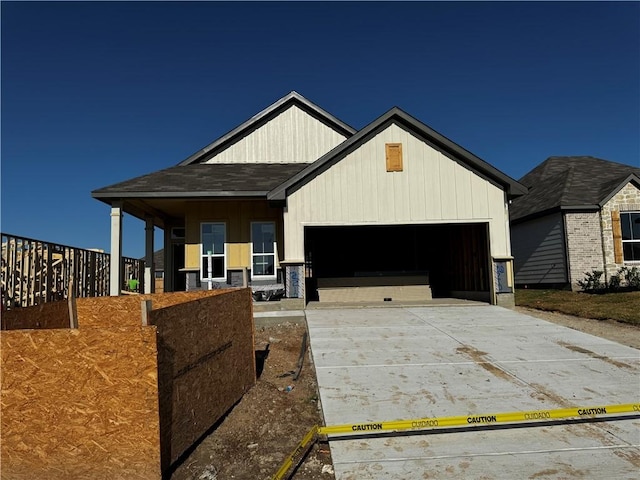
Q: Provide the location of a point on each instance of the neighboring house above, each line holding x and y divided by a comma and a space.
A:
581, 214
294, 196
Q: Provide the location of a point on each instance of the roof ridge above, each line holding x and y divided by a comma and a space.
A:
279, 105
569, 176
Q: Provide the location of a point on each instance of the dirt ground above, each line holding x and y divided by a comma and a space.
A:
622, 333
267, 424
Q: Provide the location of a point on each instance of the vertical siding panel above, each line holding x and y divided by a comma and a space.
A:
398, 184
321, 207
338, 180
382, 198
479, 203
348, 179
308, 203
433, 191
358, 182
417, 179
365, 185
370, 192
447, 187
323, 197
291, 137
497, 225
463, 192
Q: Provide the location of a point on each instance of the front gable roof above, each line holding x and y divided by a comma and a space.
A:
255, 122
414, 126
571, 183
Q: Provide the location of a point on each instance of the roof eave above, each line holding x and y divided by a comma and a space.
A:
554, 209
174, 195
630, 178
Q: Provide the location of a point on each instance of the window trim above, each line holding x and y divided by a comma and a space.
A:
203, 278
275, 252
633, 240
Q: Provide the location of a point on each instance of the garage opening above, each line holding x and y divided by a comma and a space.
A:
408, 262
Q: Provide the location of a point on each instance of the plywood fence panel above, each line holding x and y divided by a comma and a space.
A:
80, 404
45, 315
205, 365
124, 311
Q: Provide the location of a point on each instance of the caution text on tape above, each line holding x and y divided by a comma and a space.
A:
440, 422
479, 419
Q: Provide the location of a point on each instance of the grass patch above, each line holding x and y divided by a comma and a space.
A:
624, 307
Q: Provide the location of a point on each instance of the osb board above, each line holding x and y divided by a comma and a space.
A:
46, 315
206, 363
79, 404
125, 310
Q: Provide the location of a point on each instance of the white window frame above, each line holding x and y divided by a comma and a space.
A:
275, 253
634, 240
203, 254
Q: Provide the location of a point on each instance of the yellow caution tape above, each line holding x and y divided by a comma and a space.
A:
441, 422
478, 419
297, 454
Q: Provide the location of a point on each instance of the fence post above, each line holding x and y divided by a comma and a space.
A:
73, 309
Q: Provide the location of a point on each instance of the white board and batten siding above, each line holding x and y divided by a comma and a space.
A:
432, 188
539, 251
293, 136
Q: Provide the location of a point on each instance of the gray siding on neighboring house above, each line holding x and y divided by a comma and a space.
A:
538, 248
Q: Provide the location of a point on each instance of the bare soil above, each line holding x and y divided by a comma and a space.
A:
623, 333
267, 424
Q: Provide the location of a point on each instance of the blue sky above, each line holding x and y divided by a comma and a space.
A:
97, 93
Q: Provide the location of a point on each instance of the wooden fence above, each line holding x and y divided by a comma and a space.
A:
34, 272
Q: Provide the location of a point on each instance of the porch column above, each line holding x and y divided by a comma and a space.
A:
149, 267
168, 260
115, 271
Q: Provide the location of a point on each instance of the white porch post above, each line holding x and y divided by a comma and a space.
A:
149, 267
115, 272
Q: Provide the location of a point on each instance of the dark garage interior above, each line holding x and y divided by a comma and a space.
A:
455, 256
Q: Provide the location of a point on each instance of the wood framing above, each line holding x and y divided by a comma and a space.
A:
35, 271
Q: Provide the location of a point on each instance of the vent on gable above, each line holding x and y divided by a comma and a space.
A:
394, 157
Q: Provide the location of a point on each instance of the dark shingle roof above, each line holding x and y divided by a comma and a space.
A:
204, 180
569, 182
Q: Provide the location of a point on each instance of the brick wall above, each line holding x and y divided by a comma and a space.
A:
584, 245
627, 199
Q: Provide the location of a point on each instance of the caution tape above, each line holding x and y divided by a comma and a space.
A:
442, 422
298, 453
478, 419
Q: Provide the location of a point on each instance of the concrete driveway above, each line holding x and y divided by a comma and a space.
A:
380, 364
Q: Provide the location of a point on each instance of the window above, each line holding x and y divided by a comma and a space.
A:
213, 238
263, 250
630, 226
